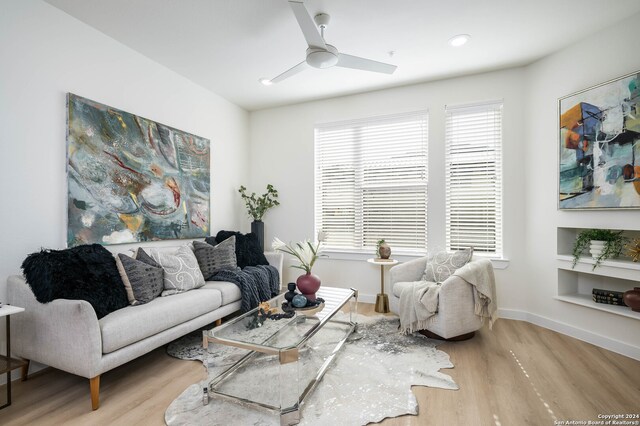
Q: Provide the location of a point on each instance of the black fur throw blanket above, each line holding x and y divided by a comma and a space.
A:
257, 283
86, 272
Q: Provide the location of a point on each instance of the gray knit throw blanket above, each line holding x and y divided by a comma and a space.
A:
257, 283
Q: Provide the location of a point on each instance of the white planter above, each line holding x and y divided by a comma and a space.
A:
596, 248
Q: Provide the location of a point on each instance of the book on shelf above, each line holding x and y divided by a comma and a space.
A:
608, 300
607, 293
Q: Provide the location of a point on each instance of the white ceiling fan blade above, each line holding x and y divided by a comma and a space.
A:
288, 73
355, 62
308, 27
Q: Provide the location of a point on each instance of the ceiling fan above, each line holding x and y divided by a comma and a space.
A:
320, 54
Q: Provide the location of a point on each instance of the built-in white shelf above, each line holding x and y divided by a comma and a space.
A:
576, 283
617, 268
586, 300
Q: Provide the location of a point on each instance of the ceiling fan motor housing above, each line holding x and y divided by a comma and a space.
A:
322, 58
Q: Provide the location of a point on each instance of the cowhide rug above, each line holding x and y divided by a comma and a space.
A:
370, 378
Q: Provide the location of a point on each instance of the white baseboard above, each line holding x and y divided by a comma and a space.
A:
575, 332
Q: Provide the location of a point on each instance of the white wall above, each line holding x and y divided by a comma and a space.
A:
45, 54
282, 154
599, 58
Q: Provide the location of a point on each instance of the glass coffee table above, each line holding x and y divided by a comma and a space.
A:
289, 355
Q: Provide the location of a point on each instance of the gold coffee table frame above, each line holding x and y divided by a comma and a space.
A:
382, 300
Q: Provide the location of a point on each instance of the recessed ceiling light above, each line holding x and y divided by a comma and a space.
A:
459, 40
266, 81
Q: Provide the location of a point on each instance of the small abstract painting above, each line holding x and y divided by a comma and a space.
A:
600, 145
131, 179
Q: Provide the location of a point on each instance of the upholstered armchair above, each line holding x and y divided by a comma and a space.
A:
455, 319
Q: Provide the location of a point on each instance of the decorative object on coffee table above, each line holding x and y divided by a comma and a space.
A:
632, 299
382, 300
604, 244
383, 250
257, 206
291, 293
306, 254
8, 364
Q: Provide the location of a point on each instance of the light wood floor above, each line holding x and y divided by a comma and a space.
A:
516, 374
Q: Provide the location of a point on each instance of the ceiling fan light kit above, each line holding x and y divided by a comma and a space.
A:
320, 54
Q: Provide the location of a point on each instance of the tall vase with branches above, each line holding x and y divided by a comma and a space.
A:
257, 206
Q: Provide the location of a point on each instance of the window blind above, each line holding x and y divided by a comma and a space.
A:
371, 182
474, 177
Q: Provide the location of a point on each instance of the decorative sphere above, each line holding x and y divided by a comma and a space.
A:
299, 301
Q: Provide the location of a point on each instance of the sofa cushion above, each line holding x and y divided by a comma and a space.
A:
181, 270
142, 281
230, 291
216, 258
443, 264
134, 323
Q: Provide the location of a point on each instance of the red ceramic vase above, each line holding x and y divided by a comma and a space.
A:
308, 284
632, 298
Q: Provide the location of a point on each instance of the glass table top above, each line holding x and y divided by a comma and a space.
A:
262, 334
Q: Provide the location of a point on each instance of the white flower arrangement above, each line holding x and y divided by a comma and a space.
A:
305, 252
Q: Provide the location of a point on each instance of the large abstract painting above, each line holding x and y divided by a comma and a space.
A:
131, 179
600, 146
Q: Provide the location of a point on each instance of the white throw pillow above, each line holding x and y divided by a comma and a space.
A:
442, 265
181, 270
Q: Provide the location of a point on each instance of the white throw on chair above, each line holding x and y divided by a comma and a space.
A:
456, 318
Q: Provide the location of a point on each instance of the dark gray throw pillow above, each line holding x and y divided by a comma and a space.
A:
212, 259
143, 256
142, 281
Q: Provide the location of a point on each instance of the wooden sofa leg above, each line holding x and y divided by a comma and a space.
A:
25, 370
94, 384
219, 322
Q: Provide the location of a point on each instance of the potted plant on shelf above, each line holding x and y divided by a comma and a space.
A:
603, 244
258, 206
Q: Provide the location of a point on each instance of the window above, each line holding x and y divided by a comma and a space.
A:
474, 177
371, 182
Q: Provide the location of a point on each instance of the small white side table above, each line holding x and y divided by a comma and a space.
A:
8, 364
382, 300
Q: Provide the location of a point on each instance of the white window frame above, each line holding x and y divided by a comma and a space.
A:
360, 248
462, 145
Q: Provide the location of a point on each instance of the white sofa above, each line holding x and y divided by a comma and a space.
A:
455, 317
66, 334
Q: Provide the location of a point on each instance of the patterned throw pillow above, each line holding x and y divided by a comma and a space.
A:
181, 270
216, 258
143, 282
442, 265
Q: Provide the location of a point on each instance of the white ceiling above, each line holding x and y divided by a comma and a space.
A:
227, 45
